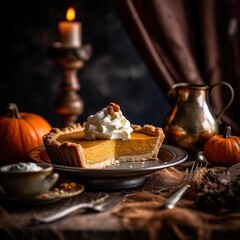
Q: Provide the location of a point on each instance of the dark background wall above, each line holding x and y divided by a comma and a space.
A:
115, 72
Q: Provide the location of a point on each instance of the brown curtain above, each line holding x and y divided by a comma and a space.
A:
194, 41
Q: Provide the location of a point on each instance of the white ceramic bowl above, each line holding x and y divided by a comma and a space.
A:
21, 182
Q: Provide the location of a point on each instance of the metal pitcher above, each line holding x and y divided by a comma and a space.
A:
192, 121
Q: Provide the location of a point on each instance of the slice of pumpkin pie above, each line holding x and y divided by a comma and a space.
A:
104, 138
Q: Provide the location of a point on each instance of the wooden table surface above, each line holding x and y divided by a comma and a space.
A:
15, 221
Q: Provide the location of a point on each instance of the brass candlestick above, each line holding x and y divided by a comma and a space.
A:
69, 104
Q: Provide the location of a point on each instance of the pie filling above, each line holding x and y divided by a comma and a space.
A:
100, 150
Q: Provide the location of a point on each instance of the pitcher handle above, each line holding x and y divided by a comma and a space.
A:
231, 98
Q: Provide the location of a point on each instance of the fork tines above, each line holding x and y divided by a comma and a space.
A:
195, 167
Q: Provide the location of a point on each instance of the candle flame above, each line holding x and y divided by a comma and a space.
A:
70, 16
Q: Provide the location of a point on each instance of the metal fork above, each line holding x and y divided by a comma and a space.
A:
174, 199
99, 205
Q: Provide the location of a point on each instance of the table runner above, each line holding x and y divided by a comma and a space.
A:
141, 211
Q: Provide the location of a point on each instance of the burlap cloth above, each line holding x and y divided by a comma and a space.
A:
140, 211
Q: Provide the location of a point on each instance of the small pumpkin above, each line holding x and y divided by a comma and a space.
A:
19, 133
223, 149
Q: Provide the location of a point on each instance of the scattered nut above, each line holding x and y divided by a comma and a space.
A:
67, 186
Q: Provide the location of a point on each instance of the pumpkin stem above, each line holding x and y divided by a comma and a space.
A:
13, 109
227, 132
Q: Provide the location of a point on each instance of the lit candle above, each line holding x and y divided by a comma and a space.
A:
70, 30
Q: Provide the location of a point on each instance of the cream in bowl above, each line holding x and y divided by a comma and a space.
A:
27, 179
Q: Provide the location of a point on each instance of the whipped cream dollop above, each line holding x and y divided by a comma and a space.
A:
109, 123
23, 167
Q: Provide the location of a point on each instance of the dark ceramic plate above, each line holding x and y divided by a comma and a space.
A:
120, 176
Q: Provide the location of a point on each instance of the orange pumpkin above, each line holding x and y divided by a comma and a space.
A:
223, 149
19, 133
